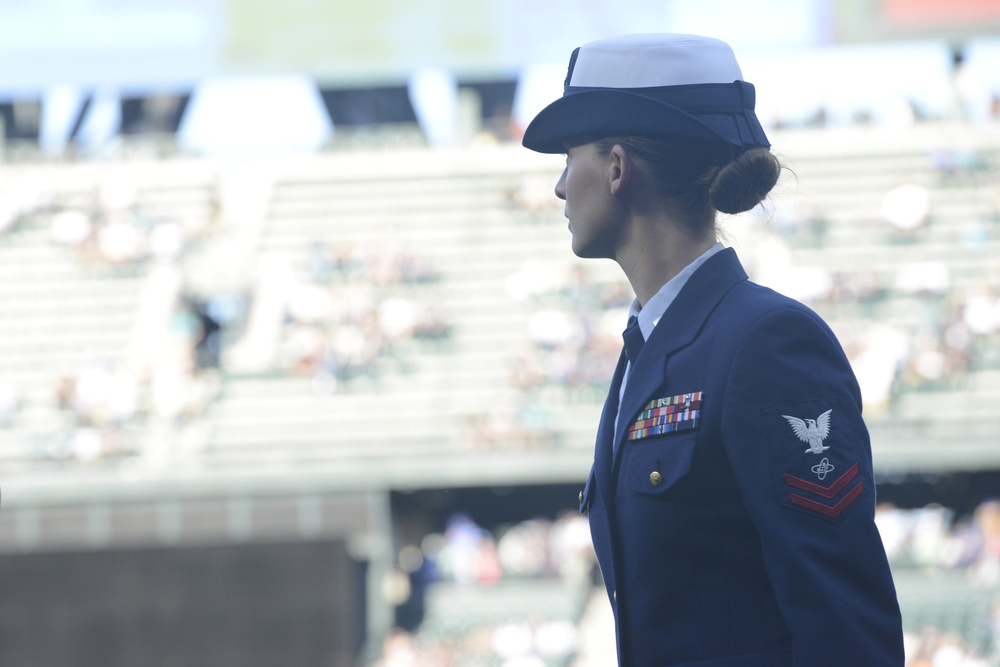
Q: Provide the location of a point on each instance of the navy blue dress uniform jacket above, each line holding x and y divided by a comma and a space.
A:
732, 510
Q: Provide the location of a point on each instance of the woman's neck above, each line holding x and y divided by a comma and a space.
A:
661, 249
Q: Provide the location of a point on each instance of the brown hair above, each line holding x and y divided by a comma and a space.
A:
700, 179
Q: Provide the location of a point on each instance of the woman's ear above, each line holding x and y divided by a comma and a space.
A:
621, 168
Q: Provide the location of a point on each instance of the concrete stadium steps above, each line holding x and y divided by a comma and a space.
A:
23, 445
963, 231
199, 195
965, 267
893, 309
458, 610
823, 169
860, 212
286, 417
408, 193
382, 224
951, 600
853, 212
930, 428
482, 237
975, 397
54, 309
855, 179
954, 208
846, 178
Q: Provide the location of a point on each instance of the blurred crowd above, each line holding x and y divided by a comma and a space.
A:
573, 330
514, 644
933, 647
467, 553
102, 401
923, 325
106, 403
356, 307
113, 226
470, 555
946, 335
360, 307
933, 537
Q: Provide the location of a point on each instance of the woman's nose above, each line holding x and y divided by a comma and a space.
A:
561, 186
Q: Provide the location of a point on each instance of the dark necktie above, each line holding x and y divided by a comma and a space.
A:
633, 339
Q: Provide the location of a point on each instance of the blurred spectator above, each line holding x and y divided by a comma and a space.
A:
71, 227
982, 312
398, 650
98, 403
907, 209
10, 402
119, 241
955, 163
858, 286
986, 563
430, 323
932, 647
524, 549
417, 573
166, 240
17, 205
926, 278
521, 428
465, 549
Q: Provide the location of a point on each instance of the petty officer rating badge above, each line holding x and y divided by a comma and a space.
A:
829, 499
812, 431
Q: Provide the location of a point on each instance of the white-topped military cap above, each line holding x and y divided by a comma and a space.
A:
659, 85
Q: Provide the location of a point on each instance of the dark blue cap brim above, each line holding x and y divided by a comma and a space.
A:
720, 114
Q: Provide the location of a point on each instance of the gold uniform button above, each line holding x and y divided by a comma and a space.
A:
581, 496
614, 595
655, 478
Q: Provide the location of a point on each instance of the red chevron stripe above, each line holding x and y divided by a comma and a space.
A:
832, 512
825, 491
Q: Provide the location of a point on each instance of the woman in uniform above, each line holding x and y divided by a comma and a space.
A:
732, 496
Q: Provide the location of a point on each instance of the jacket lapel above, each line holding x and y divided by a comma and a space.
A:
680, 324
603, 452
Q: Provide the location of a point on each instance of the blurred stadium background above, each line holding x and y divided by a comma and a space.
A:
296, 366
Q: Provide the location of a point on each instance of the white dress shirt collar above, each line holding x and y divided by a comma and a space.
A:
651, 314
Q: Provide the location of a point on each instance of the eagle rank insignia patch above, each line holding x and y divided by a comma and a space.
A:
812, 431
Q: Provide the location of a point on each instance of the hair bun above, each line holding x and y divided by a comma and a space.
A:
745, 182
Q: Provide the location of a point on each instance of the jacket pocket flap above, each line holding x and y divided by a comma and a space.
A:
656, 465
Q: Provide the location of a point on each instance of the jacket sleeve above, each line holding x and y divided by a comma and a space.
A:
793, 432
